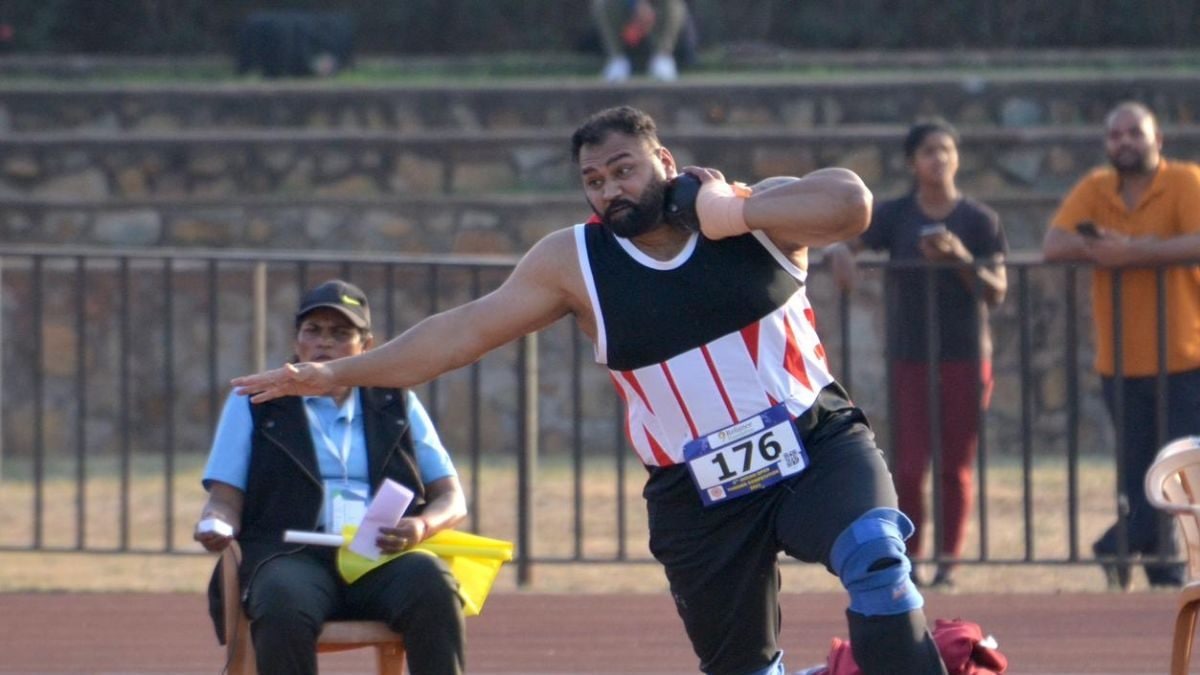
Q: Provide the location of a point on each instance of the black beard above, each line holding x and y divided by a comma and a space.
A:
639, 217
1137, 166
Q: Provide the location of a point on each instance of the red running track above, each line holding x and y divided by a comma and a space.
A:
534, 633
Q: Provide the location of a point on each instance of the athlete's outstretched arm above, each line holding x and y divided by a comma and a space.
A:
533, 296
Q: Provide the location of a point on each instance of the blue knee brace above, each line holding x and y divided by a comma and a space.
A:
870, 559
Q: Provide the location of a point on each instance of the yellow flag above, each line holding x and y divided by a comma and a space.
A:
473, 560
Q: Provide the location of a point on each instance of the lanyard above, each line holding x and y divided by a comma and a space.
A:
343, 454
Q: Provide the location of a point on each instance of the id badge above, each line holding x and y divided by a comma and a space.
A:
345, 503
745, 457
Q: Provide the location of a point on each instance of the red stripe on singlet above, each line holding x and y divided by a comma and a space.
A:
750, 337
660, 455
712, 368
819, 350
679, 399
793, 359
629, 377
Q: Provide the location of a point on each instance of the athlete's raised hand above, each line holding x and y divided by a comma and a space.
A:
719, 205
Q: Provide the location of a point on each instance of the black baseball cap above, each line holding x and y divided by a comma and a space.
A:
343, 296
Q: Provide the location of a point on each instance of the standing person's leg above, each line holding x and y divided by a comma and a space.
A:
842, 512
416, 595
1138, 441
609, 16
722, 566
910, 416
966, 392
670, 15
669, 18
291, 596
1183, 401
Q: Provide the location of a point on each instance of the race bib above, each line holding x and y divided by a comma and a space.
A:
345, 503
747, 456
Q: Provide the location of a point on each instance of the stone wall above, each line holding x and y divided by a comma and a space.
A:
359, 168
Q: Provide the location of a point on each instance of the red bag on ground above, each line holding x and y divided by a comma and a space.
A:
961, 644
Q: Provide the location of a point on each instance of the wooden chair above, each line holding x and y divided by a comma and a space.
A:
335, 635
1173, 485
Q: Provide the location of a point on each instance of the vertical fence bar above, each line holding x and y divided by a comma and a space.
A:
2, 407
126, 401
389, 297
1072, 375
577, 441
1, 370
260, 316
301, 277
619, 459
214, 346
476, 414
433, 281
981, 448
1026, 332
168, 400
933, 399
81, 407
39, 439
1162, 391
527, 456
1165, 524
1118, 405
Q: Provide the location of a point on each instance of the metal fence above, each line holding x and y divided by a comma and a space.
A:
115, 365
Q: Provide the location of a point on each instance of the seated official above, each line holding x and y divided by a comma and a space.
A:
313, 463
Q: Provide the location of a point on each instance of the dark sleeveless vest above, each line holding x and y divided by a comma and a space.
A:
284, 488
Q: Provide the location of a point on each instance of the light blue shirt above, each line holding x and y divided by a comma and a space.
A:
229, 459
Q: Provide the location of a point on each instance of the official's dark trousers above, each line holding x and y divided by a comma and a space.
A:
292, 595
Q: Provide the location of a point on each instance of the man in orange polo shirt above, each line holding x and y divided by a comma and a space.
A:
1131, 219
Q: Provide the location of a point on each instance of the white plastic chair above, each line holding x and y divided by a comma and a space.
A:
1173, 485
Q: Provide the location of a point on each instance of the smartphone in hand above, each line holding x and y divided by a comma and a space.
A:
932, 229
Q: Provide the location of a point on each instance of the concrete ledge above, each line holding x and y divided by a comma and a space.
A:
757, 99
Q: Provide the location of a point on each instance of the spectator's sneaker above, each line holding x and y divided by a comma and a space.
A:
943, 580
662, 68
617, 70
1116, 575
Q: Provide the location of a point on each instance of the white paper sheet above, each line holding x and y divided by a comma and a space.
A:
390, 502
313, 538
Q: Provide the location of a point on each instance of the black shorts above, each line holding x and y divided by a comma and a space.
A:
722, 561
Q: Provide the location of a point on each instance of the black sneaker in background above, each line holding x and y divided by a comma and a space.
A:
1116, 575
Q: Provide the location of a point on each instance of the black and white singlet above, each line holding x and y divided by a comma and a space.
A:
719, 333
